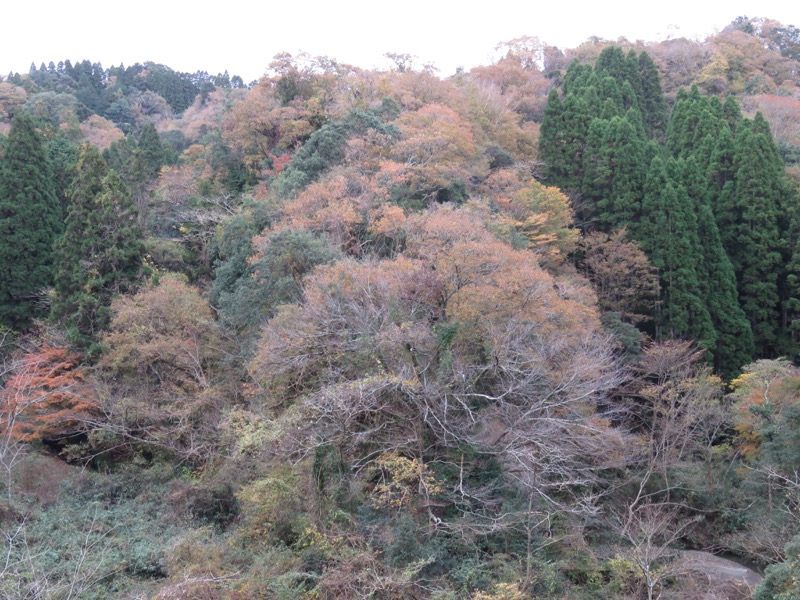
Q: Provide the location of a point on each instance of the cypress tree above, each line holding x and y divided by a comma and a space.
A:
30, 221
100, 254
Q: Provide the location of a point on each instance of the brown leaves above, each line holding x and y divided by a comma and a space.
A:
165, 333
45, 396
459, 334
621, 274
100, 132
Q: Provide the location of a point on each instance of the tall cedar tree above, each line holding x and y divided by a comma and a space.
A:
734, 346
565, 128
652, 105
693, 119
151, 154
749, 217
614, 173
100, 254
619, 86
669, 235
30, 220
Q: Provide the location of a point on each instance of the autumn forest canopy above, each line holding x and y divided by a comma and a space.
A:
526, 331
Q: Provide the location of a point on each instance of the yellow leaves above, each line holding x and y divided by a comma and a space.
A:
271, 506
401, 481
166, 331
541, 214
502, 591
546, 218
766, 385
742, 380
714, 76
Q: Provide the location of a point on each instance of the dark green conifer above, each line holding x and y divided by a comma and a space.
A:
30, 220
577, 78
613, 174
150, 152
633, 75
564, 132
734, 340
668, 234
100, 254
749, 214
732, 113
694, 118
721, 169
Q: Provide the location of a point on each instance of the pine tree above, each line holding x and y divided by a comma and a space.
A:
100, 254
30, 220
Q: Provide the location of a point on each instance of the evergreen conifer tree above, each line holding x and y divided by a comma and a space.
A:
150, 152
100, 254
613, 174
731, 112
749, 214
30, 221
653, 106
668, 233
734, 338
565, 128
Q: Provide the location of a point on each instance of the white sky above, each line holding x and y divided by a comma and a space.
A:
243, 36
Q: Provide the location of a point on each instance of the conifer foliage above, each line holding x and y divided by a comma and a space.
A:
30, 220
100, 254
705, 194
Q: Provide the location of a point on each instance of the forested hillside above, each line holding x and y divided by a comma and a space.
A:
526, 331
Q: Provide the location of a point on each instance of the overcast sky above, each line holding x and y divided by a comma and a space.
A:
243, 36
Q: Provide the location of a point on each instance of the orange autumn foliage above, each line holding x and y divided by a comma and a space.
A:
45, 397
765, 390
